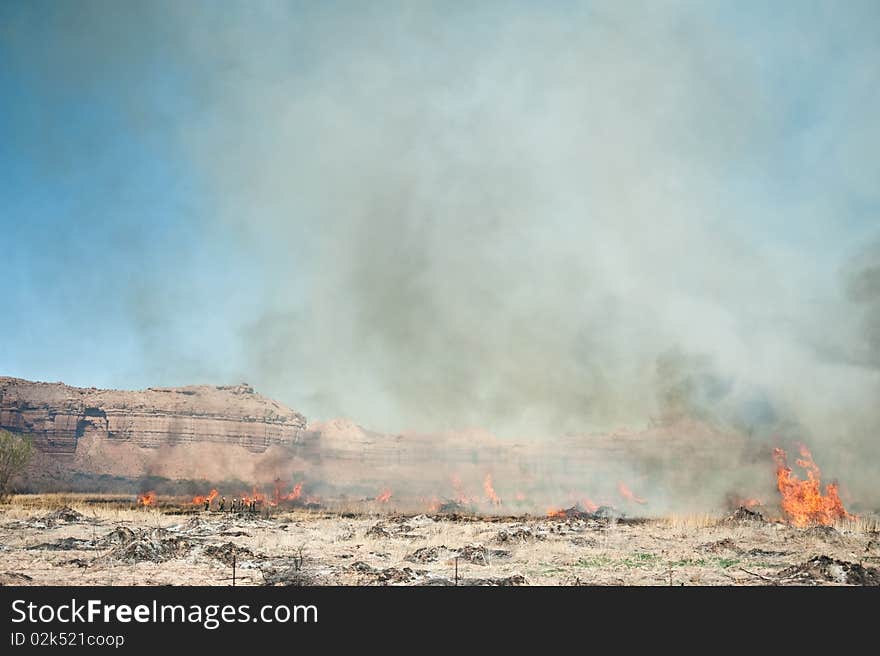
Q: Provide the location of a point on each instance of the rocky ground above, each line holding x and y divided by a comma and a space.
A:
84, 543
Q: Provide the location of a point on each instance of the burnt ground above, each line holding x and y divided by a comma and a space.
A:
99, 544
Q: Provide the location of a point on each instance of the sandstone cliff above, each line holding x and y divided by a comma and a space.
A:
102, 440
58, 416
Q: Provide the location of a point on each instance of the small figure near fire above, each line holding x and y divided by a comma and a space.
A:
206, 500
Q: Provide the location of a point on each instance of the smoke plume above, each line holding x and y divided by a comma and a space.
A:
535, 219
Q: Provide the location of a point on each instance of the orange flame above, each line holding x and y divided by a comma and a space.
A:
589, 506
279, 494
384, 496
294, 494
147, 499
199, 500
255, 496
626, 493
490, 491
803, 501
578, 510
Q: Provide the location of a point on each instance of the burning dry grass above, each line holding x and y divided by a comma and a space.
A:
107, 540
803, 501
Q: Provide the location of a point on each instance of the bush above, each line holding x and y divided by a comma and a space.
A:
15, 454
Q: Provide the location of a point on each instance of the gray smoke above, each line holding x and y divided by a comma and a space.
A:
532, 219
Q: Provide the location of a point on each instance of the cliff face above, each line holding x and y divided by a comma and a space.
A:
59, 417
200, 434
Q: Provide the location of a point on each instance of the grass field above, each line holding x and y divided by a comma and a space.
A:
77, 539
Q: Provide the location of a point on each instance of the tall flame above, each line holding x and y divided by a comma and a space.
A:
294, 494
384, 496
199, 500
626, 493
490, 491
803, 501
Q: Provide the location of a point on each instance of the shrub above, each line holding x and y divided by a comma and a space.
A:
15, 454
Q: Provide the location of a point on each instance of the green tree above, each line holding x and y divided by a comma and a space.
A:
15, 454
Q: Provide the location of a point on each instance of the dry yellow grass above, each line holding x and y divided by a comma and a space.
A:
858, 524
109, 507
692, 521
695, 549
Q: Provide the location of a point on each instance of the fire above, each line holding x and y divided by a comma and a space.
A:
626, 493
147, 499
803, 501
434, 505
589, 506
490, 491
294, 494
279, 494
580, 510
458, 488
257, 496
199, 500
384, 496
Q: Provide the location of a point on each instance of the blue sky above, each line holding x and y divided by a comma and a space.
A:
332, 201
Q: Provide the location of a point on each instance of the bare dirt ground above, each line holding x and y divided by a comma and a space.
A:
82, 540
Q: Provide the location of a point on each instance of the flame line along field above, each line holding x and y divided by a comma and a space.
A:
147, 442
801, 502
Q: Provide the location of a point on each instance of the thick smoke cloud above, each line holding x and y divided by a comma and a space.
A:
517, 221
534, 219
